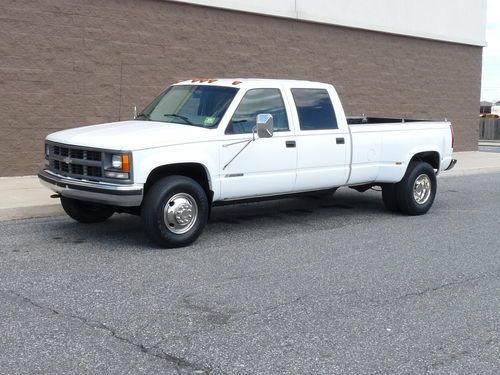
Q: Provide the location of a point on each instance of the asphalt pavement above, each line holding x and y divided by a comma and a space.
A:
298, 286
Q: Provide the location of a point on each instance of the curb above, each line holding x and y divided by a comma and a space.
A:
489, 141
51, 210
469, 172
30, 212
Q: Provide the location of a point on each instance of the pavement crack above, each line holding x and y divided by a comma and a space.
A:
429, 290
180, 364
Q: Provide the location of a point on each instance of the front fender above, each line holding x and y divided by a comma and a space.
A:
205, 154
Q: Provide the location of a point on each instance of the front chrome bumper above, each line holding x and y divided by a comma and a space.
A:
129, 195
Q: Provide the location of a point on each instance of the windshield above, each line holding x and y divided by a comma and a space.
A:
197, 105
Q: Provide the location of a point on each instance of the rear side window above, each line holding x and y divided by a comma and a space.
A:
258, 101
315, 109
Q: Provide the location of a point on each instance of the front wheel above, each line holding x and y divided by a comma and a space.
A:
417, 190
86, 212
175, 211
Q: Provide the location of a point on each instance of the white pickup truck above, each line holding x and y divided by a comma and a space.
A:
208, 142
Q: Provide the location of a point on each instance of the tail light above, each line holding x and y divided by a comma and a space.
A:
452, 136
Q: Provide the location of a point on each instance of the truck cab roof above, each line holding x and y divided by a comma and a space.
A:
252, 82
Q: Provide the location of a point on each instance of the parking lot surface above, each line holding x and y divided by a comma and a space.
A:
297, 286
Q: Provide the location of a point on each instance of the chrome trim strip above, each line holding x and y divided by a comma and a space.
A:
69, 159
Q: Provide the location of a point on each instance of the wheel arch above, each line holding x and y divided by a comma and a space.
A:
431, 157
196, 171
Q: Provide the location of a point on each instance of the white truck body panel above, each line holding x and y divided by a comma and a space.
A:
378, 149
370, 154
131, 135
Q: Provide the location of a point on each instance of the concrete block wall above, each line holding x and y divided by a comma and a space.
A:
68, 63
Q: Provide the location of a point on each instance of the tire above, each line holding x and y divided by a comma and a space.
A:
417, 190
181, 224
389, 197
86, 212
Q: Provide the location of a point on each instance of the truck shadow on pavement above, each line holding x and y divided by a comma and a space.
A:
269, 219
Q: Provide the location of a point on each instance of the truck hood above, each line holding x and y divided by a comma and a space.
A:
131, 135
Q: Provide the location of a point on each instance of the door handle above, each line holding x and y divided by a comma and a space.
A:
340, 141
290, 144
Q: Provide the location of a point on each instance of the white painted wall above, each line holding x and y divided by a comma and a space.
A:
460, 21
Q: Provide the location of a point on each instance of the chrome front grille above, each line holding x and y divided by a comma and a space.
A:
76, 162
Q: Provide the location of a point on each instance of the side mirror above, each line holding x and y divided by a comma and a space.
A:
265, 125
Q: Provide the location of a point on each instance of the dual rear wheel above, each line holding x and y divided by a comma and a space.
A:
415, 193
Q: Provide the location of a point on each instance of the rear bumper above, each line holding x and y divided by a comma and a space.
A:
99, 192
452, 164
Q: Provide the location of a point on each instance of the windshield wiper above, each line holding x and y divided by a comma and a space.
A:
143, 115
183, 118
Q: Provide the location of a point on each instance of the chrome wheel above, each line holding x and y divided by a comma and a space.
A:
180, 213
422, 189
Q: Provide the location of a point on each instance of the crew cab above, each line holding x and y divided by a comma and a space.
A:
203, 142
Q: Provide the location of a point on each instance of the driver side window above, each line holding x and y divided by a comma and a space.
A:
254, 102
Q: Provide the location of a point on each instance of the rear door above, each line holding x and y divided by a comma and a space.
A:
322, 148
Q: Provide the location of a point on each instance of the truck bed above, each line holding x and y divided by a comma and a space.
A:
364, 120
381, 147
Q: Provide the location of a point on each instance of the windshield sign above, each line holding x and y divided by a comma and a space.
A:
196, 105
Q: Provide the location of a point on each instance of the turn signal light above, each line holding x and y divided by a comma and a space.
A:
125, 163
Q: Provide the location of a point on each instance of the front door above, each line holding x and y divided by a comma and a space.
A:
265, 166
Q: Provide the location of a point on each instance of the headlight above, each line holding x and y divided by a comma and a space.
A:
116, 161
118, 166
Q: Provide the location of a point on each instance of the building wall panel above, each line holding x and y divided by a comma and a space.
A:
68, 63
461, 21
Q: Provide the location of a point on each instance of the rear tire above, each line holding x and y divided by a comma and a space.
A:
390, 198
417, 190
86, 212
175, 211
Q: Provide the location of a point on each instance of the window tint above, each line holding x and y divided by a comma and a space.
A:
255, 102
315, 109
